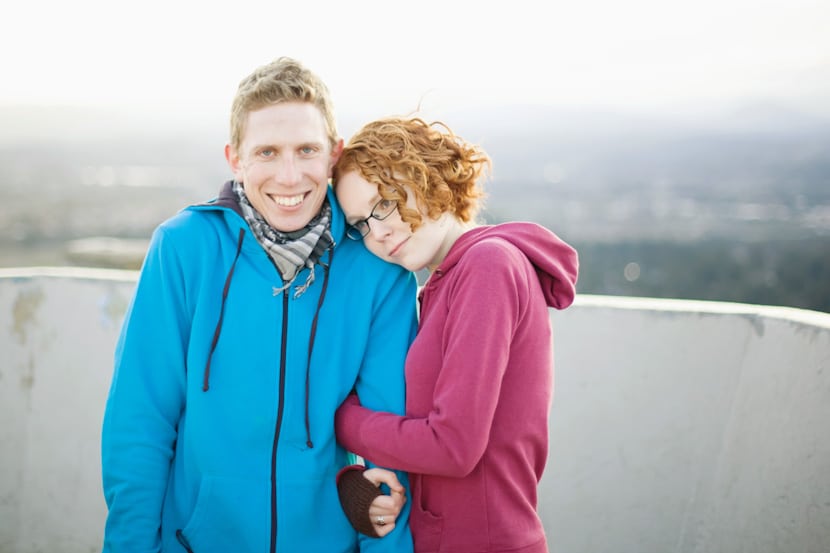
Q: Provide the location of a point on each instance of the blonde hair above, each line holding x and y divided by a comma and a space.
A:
282, 80
440, 169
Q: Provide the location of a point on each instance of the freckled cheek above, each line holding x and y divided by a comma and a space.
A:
374, 247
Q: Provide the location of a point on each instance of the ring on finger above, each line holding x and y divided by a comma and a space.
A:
381, 520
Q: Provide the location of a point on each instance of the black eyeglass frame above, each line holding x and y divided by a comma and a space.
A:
359, 229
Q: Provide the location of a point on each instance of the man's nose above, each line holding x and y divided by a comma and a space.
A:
287, 171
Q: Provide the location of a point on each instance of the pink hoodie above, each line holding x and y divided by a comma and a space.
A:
479, 379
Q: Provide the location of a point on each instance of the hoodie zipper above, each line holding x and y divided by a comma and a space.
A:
280, 409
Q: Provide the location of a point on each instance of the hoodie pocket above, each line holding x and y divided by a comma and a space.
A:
230, 514
426, 526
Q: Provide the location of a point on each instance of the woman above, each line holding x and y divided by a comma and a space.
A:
479, 374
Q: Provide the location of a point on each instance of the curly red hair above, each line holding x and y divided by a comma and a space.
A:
408, 154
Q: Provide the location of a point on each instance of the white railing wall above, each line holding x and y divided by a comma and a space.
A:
689, 427
677, 426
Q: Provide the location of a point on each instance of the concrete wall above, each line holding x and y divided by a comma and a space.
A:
689, 427
57, 336
676, 426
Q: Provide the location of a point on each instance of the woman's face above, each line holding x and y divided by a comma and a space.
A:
392, 238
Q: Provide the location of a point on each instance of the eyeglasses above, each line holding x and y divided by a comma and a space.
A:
381, 210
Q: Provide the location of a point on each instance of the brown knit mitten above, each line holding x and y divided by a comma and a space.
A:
356, 494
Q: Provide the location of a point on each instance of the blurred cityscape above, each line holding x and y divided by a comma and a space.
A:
733, 209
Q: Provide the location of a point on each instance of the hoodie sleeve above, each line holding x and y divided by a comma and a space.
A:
381, 385
475, 344
145, 400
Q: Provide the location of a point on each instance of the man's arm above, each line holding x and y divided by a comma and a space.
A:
381, 383
145, 400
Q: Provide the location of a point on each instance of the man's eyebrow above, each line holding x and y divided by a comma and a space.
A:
312, 144
262, 146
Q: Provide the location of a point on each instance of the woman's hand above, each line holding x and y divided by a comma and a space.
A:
384, 510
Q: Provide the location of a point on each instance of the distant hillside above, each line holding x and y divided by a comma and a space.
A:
596, 175
683, 193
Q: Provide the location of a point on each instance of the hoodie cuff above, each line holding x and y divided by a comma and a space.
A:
356, 495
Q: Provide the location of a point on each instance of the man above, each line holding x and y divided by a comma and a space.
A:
253, 318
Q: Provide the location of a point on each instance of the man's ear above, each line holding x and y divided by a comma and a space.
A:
232, 157
336, 152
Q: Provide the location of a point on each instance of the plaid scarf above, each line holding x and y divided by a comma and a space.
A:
290, 251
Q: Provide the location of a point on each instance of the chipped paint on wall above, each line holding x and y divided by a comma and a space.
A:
27, 378
25, 308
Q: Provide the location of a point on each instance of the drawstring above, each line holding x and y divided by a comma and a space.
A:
309, 443
218, 330
183, 540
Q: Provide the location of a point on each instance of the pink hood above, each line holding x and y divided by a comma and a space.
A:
556, 262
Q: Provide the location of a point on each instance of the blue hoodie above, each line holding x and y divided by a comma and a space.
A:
218, 431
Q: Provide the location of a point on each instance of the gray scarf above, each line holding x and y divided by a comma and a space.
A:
290, 251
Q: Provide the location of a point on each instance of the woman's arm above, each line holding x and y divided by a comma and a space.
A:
475, 341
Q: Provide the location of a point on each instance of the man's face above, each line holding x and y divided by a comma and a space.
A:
284, 162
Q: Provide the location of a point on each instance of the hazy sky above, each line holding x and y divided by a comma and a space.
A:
384, 56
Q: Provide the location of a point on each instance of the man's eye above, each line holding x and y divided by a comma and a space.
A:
307, 150
266, 152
